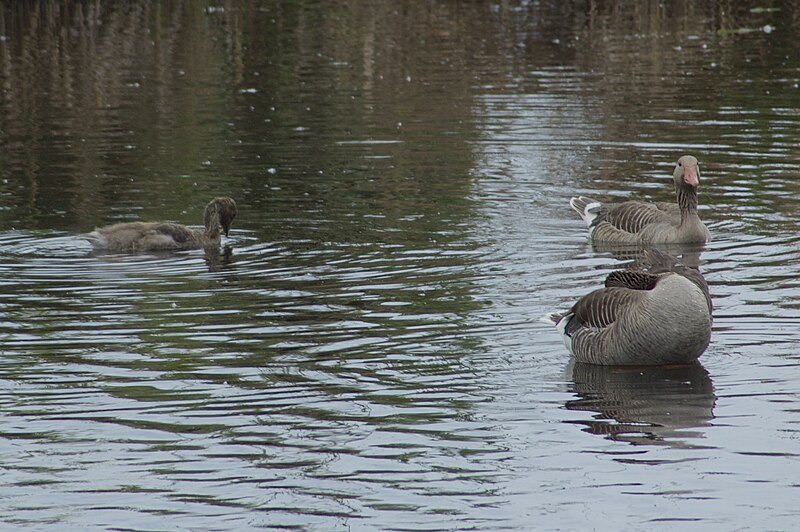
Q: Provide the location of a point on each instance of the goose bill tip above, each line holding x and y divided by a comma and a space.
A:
690, 176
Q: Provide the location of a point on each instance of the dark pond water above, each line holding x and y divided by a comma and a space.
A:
366, 352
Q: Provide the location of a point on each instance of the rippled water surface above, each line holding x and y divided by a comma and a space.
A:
366, 350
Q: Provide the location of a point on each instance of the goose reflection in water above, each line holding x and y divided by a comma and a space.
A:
686, 254
644, 405
217, 259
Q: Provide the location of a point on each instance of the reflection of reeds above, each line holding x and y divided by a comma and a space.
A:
90, 91
89, 56
97, 95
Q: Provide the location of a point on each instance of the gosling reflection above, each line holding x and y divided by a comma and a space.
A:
644, 405
218, 260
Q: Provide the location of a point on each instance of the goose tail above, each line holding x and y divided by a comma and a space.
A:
95, 238
589, 209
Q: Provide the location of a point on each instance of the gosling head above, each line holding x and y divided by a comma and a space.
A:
219, 214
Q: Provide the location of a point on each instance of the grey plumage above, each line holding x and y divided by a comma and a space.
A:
637, 222
164, 236
654, 317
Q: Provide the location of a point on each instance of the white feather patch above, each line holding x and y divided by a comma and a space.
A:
591, 212
562, 330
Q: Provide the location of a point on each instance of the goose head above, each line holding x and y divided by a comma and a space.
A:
687, 173
219, 215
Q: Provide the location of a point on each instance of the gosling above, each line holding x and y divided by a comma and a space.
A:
166, 236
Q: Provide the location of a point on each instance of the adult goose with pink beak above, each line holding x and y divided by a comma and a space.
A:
638, 222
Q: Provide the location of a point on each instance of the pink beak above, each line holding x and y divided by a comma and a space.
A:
690, 176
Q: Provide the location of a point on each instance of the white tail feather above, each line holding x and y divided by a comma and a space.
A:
552, 318
561, 325
588, 209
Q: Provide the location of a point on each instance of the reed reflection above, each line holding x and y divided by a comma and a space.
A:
665, 405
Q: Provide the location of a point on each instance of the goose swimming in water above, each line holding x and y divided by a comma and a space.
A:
655, 317
166, 236
637, 222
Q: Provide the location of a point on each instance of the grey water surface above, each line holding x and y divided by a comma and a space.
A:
366, 350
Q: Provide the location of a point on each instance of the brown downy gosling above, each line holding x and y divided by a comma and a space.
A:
165, 236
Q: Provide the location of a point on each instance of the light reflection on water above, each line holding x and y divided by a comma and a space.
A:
365, 351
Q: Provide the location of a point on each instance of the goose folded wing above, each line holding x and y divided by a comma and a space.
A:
178, 233
602, 307
632, 216
634, 280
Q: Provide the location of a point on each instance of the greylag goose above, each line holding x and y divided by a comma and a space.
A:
656, 317
637, 222
165, 236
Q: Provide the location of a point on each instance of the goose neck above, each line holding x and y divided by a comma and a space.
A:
687, 201
213, 226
